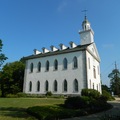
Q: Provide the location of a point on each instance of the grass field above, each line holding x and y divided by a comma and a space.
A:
15, 108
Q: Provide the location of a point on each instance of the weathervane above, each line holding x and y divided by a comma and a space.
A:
84, 11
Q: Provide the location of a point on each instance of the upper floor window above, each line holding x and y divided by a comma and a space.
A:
47, 66
98, 69
31, 67
65, 62
39, 66
55, 65
89, 63
75, 62
94, 71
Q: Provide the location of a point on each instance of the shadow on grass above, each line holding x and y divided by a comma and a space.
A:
15, 113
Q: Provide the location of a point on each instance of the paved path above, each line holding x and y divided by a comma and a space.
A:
114, 111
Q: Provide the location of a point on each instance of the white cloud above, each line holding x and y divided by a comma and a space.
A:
108, 46
62, 6
68, 3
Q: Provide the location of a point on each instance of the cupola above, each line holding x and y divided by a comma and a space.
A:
86, 34
85, 24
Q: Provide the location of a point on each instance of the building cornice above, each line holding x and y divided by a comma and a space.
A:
93, 55
58, 52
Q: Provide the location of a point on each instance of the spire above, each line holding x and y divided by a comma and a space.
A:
85, 24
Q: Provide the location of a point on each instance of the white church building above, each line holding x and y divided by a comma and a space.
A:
67, 70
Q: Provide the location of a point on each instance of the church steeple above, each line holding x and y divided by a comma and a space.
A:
85, 24
86, 34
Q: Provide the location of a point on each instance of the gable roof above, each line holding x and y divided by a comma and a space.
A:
93, 51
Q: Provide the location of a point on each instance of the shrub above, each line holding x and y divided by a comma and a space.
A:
90, 92
98, 105
107, 96
49, 93
54, 112
11, 96
77, 102
20, 94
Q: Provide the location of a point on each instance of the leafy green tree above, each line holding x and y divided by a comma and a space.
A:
2, 56
115, 81
106, 88
2, 59
12, 78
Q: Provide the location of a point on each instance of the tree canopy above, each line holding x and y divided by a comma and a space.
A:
12, 76
2, 56
115, 81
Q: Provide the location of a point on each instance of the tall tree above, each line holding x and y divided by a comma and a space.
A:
106, 88
2, 59
2, 56
115, 81
12, 78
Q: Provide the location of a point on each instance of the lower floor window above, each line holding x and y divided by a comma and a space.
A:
46, 86
65, 86
55, 86
30, 86
38, 86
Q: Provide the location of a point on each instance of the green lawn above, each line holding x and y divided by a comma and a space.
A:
15, 108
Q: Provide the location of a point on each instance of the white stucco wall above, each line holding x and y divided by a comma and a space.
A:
91, 64
59, 75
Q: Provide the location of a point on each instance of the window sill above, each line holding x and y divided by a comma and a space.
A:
64, 69
38, 71
64, 91
75, 68
75, 91
30, 72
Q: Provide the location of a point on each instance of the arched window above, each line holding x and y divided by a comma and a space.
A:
90, 84
94, 72
39, 66
47, 66
30, 86
89, 62
55, 86
97, 87
65, 85
46, 85
75, 63
38, 86
65, 63
55, 65
75, 85
93, 86
98, 69
31, 67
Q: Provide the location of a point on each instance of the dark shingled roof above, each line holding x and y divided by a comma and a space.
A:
51, 53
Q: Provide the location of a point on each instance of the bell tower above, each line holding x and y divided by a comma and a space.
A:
86, 34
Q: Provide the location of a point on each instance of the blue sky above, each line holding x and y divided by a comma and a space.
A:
29, 24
